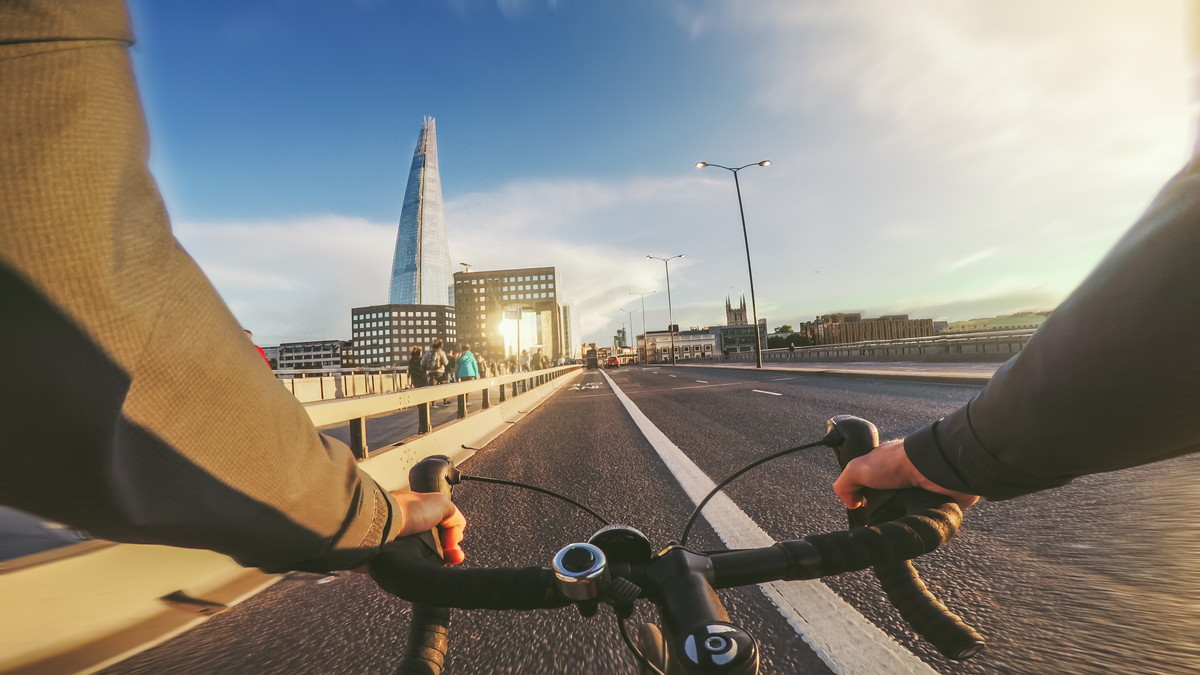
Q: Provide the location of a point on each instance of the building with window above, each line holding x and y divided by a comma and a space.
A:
421, 262
312, 355
844, 328
502, 312
739, 338
695, 343
385, 334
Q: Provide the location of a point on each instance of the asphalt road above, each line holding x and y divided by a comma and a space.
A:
1100, 576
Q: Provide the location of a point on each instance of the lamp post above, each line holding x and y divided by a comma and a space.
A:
645, 340
629, 316
746, 238
670, 312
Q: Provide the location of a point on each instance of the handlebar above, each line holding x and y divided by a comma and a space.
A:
889, 530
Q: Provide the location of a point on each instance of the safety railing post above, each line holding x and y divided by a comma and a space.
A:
358, 437
462, 406
487, 399
424, 421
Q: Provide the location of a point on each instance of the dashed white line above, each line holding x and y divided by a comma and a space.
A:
773, 393
781, 379
841, 637
702, 381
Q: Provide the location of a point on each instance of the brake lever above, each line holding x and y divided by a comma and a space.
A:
435, 473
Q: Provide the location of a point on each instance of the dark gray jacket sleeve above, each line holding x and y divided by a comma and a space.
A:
1110, 380
134, 407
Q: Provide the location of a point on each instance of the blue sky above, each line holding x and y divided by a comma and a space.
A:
941, 158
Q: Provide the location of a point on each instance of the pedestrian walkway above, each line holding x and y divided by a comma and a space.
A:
912, 371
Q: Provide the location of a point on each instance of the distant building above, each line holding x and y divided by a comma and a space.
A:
844, 328
501, 312
1020, 321
736, 317
272, 356
385, 334
739, 338
689, 344
312, 355
421, 261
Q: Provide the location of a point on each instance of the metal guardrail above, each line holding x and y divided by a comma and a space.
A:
992, 346
355, 411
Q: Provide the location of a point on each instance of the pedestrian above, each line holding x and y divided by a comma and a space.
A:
466, 367
524, 360
260, 349
416, 374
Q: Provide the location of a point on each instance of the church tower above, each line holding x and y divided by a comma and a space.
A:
736, 317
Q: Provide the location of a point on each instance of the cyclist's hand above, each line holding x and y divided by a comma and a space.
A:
423, 511
887, 468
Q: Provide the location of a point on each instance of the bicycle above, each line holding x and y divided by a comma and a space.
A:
617, 567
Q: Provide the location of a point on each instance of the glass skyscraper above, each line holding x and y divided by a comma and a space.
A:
421, 266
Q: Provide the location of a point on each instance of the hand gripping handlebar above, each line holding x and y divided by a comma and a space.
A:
917, 508
891, 528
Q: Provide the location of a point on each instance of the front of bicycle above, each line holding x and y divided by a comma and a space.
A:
618, 567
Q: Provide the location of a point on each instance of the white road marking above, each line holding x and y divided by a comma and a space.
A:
702, 381
781, 379
845, 640
773, 393
673, 376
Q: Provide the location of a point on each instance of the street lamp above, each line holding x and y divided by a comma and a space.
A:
629, 316
746, 238
645, 340
670, 312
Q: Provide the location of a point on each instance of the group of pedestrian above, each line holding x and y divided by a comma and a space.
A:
437, 366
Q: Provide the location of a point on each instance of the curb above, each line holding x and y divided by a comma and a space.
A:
926, 377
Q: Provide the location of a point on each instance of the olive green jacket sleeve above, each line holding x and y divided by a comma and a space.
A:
133, 405
1111, 379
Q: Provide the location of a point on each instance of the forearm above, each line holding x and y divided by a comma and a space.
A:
146, 415
1108, 382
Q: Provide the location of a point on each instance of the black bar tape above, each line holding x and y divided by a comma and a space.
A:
890, 542
932, 620
428, 641
402, 569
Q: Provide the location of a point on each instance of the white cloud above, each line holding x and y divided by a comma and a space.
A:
297, 279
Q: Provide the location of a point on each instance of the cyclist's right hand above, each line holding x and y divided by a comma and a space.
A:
887, 467
423, 511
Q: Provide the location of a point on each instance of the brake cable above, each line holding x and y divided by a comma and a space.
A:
696, 513
499, 481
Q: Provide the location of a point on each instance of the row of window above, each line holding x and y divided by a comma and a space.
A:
526, 296
385, 324
509, 280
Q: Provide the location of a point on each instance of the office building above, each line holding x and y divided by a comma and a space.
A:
385, 334
845, 328
502, 312
421, 262
312, 355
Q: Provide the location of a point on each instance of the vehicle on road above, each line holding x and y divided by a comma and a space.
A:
590, 360
618, 566
612, 362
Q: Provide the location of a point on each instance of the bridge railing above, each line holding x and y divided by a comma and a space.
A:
355, 410
987, 347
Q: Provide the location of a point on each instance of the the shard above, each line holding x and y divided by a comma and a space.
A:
421, 266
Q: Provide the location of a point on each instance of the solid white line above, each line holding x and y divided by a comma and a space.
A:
839, 635
773, 393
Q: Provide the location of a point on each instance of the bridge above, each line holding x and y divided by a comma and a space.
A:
1054, 580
